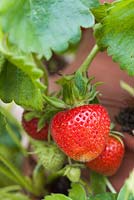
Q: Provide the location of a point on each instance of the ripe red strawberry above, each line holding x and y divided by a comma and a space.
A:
31, 129
108, 162
81, 132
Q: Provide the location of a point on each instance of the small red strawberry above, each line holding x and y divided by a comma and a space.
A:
108, 162
81, 132
31, 128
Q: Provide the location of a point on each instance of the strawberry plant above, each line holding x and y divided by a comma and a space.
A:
68, 130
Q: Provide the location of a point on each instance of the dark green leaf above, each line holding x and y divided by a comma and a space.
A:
98, 184
116, 33
105, 196
77, 192
57, 197
41, 26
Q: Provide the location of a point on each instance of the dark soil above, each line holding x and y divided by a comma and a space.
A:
125, 119
60, 185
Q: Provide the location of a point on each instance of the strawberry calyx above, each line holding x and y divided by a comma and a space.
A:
30, 115
117, 135
43, 117
76, 90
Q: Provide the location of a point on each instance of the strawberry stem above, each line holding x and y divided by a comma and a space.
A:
49, 137
11, 188
84, 67
109, 185
69, 161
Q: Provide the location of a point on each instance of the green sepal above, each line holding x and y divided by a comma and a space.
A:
29, 115
77, 192
77, 89
43, 117
54, 101
47, 115
81, 83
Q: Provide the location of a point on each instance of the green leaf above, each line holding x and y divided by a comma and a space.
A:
127, 192
13, 196
77, 192
101, 11
105, 196
5, 138
24, 181
98, 184
2, 60
12, 193
10, 144
91, 3
42, 26
21, 60
25, 77
57, 197
16, 85
116, 33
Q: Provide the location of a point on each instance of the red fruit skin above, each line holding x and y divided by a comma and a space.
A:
81, 132
109, 161
31, 128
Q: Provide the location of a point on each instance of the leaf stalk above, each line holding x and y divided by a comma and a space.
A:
85, 66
